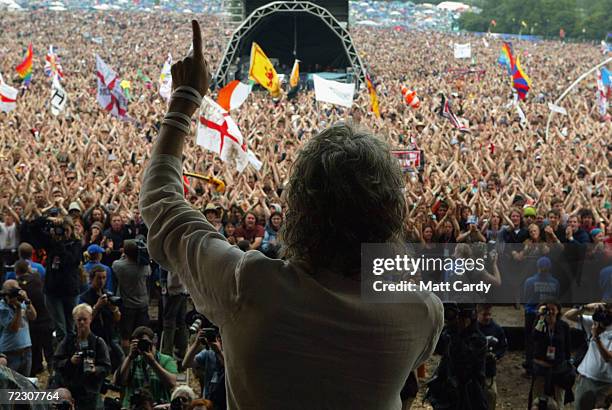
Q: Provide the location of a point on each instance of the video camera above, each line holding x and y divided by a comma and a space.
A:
603, 317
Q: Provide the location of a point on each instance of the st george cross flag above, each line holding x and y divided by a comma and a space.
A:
52, 64
217, 132
110, 94
58, 96
8, 97
446, 112
165, 79
333, 92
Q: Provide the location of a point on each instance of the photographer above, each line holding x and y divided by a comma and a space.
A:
552, 372
459, 380
595, 369
211, 361
82, 361
106, 314
146, 367
497, 346
15, 312
63, 276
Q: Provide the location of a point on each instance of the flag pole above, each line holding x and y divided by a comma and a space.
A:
578, 80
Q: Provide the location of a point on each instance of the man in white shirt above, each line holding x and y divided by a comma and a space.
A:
595, 370
297, 334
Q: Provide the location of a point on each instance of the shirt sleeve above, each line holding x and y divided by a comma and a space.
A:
169, 364
182, 241
6, 317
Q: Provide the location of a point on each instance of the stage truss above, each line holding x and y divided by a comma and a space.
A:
223, 71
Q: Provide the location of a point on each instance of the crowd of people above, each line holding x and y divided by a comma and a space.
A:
77, 279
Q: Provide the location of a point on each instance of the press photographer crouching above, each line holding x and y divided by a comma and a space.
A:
15, 312
82, 362
553, 373
459, 380
106, 314
595, 370
146, 368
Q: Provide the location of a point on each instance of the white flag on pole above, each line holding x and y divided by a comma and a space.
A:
333, 92
557, 109
217, 132
58, 96
463, 50
165, 79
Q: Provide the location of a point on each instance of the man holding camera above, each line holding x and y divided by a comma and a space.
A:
15, 312
595, 370
82, 361
106, 314
146, 368
210, 360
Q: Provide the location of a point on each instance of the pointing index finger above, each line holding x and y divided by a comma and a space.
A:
197, 39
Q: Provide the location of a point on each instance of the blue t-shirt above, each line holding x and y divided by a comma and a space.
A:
20, 339
109, 273
537, 289
207, 360
37, 267
605, 282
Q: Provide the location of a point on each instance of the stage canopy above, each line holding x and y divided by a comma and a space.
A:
286, 31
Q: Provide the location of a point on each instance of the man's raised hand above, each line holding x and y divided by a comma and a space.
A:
191, 71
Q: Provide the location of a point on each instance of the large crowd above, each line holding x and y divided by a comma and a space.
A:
504, 181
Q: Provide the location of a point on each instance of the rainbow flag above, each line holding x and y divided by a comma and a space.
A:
25, 68
520, 81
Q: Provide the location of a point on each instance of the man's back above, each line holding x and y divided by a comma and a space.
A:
132, 282
303, 342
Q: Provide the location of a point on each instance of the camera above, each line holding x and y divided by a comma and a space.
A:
144, 345
88, 356
111, 403
603, 317
50, 228
112, 299
12, 293
178, 403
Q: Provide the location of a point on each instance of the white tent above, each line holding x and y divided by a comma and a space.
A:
9, 5
453, 6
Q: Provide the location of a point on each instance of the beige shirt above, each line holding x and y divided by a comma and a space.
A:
292, 340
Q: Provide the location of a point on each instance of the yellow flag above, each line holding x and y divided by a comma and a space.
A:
263, 71
373, 96
294, 79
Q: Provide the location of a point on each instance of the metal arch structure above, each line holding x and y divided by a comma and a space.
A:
222, 73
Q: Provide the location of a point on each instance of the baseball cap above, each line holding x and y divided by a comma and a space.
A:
93, 249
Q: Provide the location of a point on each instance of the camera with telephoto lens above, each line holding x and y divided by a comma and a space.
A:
603, 317
88, 357
209, 335
490, 358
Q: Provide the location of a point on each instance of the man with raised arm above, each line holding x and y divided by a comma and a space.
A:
295, 329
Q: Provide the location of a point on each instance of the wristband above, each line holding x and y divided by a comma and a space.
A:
186, 96
179, 115
177, 125
189, 90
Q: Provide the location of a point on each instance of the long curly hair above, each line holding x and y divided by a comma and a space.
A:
345, 189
